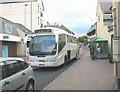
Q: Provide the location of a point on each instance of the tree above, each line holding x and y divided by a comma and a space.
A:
83, 39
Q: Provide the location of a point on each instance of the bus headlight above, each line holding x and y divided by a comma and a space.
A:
32, 60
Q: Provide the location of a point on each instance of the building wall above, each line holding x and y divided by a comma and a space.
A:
5, 24
8, 38
118, 17
21, 52
21, 12
11, 48
0, 48
102, 30
0, 40
0, 25
117, 65
14, 40
117, 6
92, 37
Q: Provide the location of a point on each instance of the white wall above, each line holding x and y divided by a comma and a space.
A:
19, 13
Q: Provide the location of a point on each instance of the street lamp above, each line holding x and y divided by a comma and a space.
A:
31, 15
25, 26
25, 13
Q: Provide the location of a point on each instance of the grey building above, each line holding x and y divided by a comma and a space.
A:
11, 38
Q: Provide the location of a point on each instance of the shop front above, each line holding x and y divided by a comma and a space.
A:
8, 38
8, 44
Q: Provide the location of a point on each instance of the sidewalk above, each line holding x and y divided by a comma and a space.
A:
85, 74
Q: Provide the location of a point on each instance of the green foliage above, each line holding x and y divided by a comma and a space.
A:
83, 39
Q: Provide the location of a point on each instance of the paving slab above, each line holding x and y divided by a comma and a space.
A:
86, 74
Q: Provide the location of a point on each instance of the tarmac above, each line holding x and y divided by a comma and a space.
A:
86, 74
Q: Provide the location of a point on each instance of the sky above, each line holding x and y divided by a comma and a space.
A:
76, 15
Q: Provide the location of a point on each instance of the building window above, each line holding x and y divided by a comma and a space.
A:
41, 25
8, 28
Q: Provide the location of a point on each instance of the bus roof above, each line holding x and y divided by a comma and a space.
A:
53, 30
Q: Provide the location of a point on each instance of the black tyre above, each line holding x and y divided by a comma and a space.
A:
30, 86
65, 60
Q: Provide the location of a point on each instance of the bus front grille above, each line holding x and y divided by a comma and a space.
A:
41, 60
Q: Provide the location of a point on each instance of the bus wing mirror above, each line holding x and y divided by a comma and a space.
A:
27, 38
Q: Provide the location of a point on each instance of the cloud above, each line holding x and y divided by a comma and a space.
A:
74, 14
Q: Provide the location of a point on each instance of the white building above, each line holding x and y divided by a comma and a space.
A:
29, 14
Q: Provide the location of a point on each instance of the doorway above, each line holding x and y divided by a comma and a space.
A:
5, 51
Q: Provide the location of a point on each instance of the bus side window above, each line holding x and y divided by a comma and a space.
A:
69, 39
61, 42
